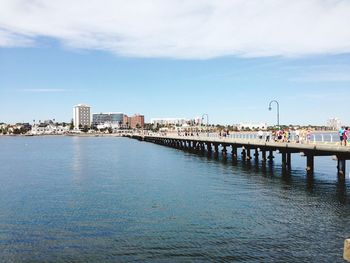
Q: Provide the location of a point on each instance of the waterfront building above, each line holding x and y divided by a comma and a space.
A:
176, 121
81, 116
252, 126
112, 118
49, 128
137, 121
126, 120
334, 123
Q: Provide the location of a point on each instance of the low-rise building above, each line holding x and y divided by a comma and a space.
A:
45, 128
176, 121
137, 121
107, 118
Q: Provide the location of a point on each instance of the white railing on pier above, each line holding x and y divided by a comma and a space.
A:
315, 138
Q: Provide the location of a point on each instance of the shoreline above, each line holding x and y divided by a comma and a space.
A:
61, 135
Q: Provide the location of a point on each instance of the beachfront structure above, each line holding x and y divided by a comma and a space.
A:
176, 121
81, 116
252, 126
49, 128
107, 118
135, 121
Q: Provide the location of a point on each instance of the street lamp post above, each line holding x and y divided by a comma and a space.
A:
207, 122
278, 111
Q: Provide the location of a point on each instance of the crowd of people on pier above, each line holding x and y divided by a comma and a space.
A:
285, 135
281, 135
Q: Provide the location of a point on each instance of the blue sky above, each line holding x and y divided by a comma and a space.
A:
45, 71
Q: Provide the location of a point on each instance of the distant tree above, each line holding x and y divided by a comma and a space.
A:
23, 130
110, 130
85, 129
138, 126
148, 126
16, 131
71, 126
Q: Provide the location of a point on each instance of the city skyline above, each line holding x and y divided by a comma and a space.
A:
187, 60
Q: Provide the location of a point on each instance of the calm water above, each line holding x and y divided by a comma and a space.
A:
69, 199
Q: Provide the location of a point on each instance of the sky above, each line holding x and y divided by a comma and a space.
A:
176, 58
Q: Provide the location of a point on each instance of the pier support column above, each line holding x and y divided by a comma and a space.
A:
190, 146
234, 153
341, 166
224, 152
202, 148
310, 164
195, 147
284, 160
216, 147
263, 153
209, 149
187, 145
271, 156
289, 160
256, 154
244, 154
199, 147
249, 157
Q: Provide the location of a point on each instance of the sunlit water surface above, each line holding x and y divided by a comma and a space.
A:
70, 199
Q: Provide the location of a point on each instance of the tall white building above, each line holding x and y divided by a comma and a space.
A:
81, 116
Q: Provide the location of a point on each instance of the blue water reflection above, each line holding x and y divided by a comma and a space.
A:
70, 199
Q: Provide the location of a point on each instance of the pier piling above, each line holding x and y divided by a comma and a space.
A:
310, 164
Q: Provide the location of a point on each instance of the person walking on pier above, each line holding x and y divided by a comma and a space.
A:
345, 135
297, 134
341, 135
267, 134
308, 136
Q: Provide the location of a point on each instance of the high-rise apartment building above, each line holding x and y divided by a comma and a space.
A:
81, 116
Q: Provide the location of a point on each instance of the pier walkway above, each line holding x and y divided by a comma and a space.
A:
254, 148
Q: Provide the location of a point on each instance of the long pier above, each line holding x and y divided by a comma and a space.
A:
253, 148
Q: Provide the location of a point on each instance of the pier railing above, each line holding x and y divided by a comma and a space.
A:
322, 138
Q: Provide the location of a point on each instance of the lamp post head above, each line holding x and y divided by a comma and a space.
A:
270, 108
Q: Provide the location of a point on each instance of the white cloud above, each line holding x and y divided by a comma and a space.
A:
335, 73
324, 77
182, 28
10, 39
42, 90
